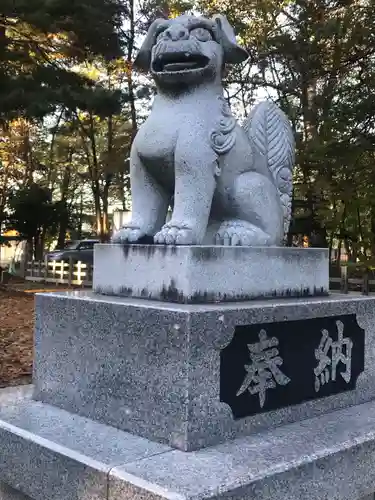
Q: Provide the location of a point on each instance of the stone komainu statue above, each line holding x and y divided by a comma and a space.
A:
227, 184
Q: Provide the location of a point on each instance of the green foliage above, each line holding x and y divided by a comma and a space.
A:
32, 211
79, 21
40, 43
151, 9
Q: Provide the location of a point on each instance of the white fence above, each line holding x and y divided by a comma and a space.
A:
80, 274
64, 273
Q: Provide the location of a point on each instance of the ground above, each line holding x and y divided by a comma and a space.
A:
16, 337
16, 331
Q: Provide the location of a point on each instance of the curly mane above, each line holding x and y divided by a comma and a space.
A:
223, 136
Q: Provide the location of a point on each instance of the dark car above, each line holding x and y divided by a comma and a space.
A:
82, 250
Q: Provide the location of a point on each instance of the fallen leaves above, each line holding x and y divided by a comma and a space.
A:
16, 337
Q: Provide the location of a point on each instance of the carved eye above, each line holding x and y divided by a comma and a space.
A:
201, 34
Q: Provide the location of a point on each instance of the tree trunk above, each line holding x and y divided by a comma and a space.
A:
38, 246
104, 234
348, 249
98, 216
372, 230
330, 246
29, 249
80, 218
338, 261
64, 219
131, 99
26, 153
63, 226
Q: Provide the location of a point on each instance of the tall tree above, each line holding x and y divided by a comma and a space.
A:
33, 215
41, 41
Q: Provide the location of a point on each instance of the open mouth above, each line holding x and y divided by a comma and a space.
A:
174, 62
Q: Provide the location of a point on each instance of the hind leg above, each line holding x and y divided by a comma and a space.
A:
256, 214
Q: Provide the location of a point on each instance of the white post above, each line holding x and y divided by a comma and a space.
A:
54, 270
62, 269
79, 273
45, 274
70, 272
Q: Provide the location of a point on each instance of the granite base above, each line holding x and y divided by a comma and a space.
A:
155, 369
8, 493
209, 274
50, 454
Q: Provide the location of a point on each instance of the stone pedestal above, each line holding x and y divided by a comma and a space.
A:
50, 454
209, 274
8, 493
171, 373
143, 399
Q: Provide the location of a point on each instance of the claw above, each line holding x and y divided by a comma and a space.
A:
127, 234
184, 238
159, 238
235, 240
226, 239
241, 233
116, 238
173, 235
135, 235
170, 237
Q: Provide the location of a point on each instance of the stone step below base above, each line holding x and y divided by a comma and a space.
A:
50, 454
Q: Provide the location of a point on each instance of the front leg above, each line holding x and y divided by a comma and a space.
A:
195, 164
149, 204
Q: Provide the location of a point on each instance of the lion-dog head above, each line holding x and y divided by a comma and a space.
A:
188, 50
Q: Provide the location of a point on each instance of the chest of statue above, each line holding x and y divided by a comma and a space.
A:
156, 139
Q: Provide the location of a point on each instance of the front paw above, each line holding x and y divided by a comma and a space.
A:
241, 233
128, 234
175, 235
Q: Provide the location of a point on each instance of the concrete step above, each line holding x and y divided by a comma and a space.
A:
49, 454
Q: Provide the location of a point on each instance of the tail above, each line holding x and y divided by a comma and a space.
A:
271, 136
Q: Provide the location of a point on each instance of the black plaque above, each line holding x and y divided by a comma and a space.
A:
274, 365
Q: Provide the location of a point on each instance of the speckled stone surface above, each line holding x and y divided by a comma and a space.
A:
50, 454
153, 368
202, 274
10, 395
8, 493
330, 457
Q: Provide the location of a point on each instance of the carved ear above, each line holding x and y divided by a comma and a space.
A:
143, 59
233, 53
